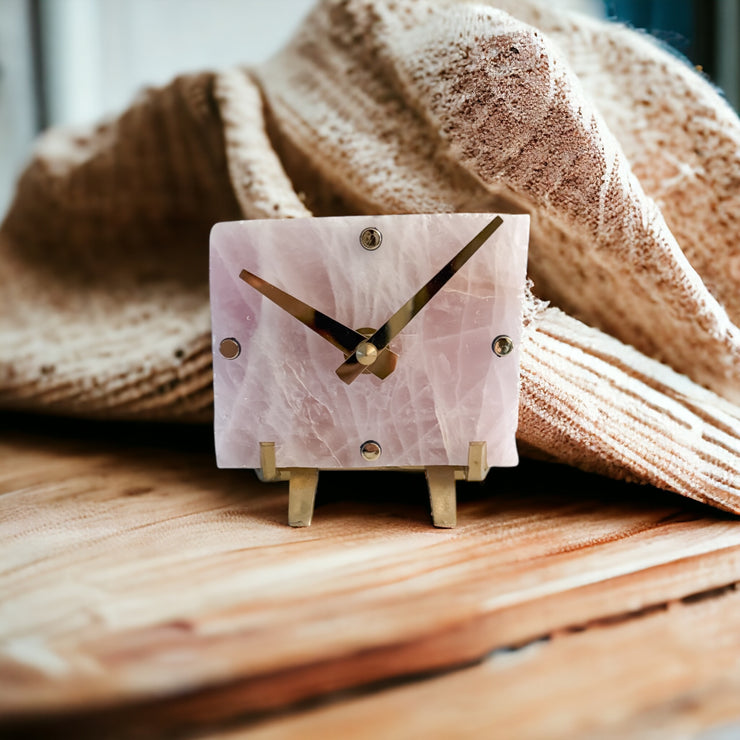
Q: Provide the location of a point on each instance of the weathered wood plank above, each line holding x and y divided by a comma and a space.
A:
135, 574
674, 673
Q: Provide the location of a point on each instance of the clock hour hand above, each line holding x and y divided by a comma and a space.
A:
353, 366
341, 336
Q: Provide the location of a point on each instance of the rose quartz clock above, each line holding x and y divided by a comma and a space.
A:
368, 342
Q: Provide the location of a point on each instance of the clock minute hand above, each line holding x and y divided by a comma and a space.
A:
351, 368
341, 336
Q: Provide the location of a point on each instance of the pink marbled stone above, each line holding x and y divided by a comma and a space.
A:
448, 388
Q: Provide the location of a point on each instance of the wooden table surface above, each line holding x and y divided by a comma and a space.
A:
144, 593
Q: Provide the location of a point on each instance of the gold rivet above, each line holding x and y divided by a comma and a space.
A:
502, 345
370, 450
366, 353
371, 238
230, 348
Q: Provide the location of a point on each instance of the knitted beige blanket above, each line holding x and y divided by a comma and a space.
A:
628, 161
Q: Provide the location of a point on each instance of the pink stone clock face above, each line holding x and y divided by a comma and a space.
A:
448, 388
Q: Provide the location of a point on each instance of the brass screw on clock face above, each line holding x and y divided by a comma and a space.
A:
371, 238
230, 348
370, 450
502, 345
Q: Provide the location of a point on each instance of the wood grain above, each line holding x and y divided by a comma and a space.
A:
137, 576
674, 673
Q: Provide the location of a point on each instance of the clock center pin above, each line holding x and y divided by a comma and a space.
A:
366, 353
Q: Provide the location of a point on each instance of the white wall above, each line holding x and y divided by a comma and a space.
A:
17, 104
101, 52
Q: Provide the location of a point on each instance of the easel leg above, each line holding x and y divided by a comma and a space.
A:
301, 496
442, 494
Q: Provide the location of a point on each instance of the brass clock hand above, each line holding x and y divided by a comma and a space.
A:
341, 336
355, 364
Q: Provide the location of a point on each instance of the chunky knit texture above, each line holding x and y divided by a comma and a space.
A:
398, 107
681, 138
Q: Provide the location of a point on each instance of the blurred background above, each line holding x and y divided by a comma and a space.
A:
72, 62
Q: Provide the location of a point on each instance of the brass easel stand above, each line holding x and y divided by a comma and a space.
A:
441, 479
